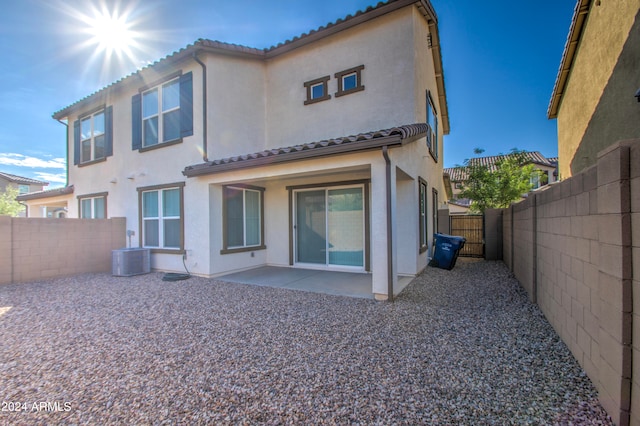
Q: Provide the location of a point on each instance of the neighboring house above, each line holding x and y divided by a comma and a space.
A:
456, 176
593, 97
51, 203
22, 184
322, 152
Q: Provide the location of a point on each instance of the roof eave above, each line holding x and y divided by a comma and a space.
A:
66, 190
366, 145
568, 55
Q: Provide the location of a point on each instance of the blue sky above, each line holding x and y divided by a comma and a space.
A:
500, 62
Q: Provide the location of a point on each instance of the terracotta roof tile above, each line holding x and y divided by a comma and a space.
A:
46, 194
22, 180
459, 174
361, 141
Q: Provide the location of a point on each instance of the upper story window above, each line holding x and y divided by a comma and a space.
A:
93, 136
162, 113
317, 90
349, 81
23, 189
432, 121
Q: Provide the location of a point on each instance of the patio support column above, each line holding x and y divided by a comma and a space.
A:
379, 242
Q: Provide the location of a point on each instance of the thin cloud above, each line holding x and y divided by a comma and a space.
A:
19, 160
52, 177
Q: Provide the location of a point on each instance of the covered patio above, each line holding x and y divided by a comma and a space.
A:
336, 283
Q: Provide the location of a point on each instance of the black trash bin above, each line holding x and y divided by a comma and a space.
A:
447, 248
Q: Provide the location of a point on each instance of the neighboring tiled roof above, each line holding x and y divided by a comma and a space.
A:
461, 202
359, 142
456, 174
571, 46
22, 180
459, 174
206, 45
553, 160
46, 194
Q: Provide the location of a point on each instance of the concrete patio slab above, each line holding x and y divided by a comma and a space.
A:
350, 284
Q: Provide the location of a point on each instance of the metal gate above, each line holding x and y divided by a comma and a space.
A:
470, 227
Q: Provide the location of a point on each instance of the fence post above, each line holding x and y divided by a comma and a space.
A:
444, 226
534, 240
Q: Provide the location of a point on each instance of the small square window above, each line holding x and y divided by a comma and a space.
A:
349, 81
317, 90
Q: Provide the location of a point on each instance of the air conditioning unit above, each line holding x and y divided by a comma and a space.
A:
130, 261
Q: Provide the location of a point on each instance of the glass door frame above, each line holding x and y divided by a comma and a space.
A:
326, 187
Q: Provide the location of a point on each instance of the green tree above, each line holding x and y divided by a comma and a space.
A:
8, 204
498, 186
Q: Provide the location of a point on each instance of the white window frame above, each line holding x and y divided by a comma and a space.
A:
344, 79
244, 245
91, 199
161, 218
160, 114
23, 189
321, 85
92, 138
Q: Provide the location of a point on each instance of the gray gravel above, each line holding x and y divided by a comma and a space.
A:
462, 347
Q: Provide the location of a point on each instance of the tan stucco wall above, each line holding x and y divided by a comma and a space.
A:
384, 46
606, 31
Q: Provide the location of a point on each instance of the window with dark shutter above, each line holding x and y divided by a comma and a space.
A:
162, 114
93, 136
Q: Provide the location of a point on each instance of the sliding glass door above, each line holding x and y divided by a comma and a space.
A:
311, 228
329, 227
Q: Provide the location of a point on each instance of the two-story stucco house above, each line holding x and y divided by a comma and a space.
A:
324, 151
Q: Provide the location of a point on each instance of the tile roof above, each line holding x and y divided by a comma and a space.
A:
570, 48
459, 174
461, 202
359, 142
21, 180
65, 190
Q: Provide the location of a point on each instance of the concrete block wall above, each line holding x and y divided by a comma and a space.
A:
523, 248
507, 237
574, 247
37, 248
634, 190
493, 234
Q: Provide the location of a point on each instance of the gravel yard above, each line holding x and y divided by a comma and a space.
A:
457, 347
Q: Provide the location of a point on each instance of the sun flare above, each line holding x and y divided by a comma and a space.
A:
111, 33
